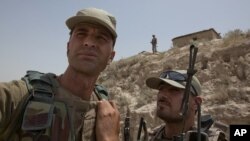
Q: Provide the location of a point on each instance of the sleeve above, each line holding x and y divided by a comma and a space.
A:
10, 96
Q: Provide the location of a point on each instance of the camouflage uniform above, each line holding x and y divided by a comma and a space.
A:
215, 133
82, 113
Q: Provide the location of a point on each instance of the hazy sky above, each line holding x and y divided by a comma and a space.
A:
33, 35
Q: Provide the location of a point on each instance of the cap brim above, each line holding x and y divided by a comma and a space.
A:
154, 83
71, 22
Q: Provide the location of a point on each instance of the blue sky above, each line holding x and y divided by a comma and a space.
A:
33, 35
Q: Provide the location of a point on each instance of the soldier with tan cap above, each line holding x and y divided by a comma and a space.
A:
70, 106
171, 85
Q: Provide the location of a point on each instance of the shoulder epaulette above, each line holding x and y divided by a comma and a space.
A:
40, 84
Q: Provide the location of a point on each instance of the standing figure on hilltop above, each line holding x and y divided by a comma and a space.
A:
154, 43
171, 86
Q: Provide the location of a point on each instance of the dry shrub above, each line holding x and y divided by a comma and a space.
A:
125, 86
141, 101
109, 83
238, 94
121, 63
128, 62
125, 73
134, 60
147, 96
174, 50
161, 56
226, 57
232, 36
140, 81
167, 66
123, 101
221, 95
248, 33
203, 76
221, 71
204, 62
240, 72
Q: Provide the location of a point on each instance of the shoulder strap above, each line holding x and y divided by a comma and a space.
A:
206, 122
155, 134
101, 92
40, 85
40, 88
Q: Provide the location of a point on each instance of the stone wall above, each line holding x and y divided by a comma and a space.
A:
205, 35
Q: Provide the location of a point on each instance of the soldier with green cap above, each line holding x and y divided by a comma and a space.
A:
70, 106
171, 85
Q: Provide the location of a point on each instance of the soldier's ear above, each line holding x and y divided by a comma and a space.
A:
198, 100
111, 57
67, 48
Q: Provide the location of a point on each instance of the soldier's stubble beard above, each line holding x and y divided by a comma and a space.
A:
171, 117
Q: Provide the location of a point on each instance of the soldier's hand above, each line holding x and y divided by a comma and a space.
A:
107, 121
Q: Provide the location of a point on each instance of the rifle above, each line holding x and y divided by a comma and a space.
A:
190, 72
184, 106
142, 125
126, 131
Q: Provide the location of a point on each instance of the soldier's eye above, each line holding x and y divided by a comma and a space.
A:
102, 37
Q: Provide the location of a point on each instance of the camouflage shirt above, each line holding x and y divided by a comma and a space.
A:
214, 134
82, 113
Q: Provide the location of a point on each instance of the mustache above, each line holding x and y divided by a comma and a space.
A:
89, 52
163, 100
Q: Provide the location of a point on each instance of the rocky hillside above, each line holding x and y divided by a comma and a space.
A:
223, 68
